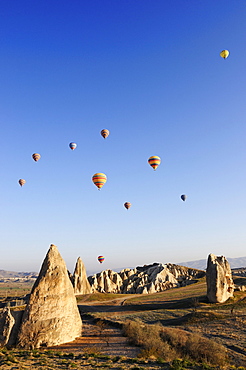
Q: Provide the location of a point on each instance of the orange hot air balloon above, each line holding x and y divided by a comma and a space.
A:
127, 205
36, 157
105, 133
100, 259
22, 182
154, 161
99, 179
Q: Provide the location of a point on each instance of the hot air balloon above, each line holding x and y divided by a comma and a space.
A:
99, 179
100, 259
224, 54
72, 146
183, 197
22, 182
154, 161
36, 157
127, 205
105, 133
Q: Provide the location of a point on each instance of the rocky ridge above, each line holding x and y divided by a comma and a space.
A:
147, 279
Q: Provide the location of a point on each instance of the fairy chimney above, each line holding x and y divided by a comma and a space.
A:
7, 322
79, 279
51, 316
220, 286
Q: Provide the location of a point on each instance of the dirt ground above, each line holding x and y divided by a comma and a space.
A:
102, 339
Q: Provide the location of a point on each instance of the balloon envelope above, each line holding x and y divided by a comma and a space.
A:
22, 182
100, 259
99, 179
183, 197
105, 133
154, 161
224, 54
127, 205
36, 157
72, 146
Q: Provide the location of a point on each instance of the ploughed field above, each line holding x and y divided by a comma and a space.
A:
185, 311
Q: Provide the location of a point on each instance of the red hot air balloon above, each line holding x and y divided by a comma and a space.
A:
72, 146
100, 259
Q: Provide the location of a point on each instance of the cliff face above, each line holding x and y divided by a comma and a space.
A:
144, 279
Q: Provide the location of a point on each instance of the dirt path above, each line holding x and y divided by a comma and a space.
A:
99, 338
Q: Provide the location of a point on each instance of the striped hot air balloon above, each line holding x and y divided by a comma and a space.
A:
127, 205
99, 179
105, 133
72, 146
36, 157
154, 161
224, 54
100, 259
22, 182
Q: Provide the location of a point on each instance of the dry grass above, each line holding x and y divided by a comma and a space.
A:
171, 343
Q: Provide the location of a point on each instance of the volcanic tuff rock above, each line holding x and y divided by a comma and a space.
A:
79, 279
220, 286
6, 324
51, 316
144, 279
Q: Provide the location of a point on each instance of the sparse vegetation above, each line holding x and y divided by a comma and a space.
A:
172, 343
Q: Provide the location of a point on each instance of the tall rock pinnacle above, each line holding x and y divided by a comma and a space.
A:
51, 316
80, 282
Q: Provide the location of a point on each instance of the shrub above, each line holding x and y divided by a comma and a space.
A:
148, 337
171, 343
195, 346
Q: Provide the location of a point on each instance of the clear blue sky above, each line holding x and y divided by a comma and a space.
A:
151, 73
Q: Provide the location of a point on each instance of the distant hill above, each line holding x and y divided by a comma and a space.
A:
12, 274
202, 264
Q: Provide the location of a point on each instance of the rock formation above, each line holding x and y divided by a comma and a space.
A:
51, 316
6, 324
220, 286
144, 279
80, 282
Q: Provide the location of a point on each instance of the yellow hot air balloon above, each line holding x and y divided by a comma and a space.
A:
105, 133
224, 54
99, 179
22, 182
36, 157
154, 161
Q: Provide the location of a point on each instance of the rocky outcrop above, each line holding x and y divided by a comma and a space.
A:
51, 316
6, 324
148, 279
80, 282
220, 286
